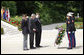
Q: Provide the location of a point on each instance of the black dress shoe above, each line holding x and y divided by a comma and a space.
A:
74, 47
69, 48
25, 49
39, 46
32, 47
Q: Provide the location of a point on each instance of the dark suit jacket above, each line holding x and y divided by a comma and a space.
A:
68, 26
25, 26
32, 26
38, 24
73, 25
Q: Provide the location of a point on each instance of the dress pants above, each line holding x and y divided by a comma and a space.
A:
73, 39
25, 41
69, 34
38, 38
31, 40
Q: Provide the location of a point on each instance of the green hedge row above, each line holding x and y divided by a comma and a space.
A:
2, 30
78, 25
79, 19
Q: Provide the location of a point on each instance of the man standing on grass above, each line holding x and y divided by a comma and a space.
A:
73, 30
69, 30
25, 30
32, 31
39, 30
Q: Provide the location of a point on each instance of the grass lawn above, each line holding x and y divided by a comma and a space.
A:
2, 30
78, 25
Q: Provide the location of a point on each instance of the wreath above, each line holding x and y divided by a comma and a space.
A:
60, 36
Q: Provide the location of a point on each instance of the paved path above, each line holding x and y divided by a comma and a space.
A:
12, 42
51, 26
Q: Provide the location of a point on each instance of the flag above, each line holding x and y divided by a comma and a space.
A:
8, 14
1, 13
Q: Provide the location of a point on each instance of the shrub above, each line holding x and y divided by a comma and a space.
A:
2, 31
19, 27
78, 25
79, 19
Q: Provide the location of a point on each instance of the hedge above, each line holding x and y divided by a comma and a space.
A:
2, 30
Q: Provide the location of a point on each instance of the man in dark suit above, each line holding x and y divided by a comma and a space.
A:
32, 31
39, 30
73, 31
25, 30
69, 30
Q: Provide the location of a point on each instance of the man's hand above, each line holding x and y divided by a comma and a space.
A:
68, 22
69, 32
23, 17
72, 21
34, 29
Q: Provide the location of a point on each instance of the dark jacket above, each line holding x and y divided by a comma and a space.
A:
25, 26
72, 24
38, 24
68, 26
32, 25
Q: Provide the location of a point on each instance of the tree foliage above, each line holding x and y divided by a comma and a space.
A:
50, 11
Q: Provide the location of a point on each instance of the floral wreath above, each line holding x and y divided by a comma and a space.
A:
60, 36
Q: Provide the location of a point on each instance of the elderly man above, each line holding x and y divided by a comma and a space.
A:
32, 31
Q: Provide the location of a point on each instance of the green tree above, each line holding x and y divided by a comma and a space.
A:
27, 7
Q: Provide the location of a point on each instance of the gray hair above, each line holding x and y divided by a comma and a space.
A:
33, 14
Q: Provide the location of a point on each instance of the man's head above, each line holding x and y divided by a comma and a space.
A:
37, 15
68, 17
33, 16
24, 16
72, 15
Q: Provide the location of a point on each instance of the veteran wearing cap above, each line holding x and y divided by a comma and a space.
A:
70, 30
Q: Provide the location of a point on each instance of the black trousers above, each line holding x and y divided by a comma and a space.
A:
31, 39
38, 38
